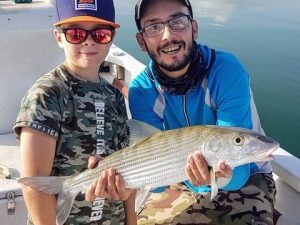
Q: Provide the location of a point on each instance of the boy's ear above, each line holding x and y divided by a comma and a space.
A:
140, 40
58, 38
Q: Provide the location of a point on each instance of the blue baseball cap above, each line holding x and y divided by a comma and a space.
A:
98, 11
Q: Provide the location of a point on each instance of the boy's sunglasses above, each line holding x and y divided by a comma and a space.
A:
78, 35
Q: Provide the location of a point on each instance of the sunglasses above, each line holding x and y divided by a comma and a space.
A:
78, 35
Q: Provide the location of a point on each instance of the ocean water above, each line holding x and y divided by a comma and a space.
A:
265, 36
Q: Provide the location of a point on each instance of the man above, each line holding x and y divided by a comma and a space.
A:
186, 84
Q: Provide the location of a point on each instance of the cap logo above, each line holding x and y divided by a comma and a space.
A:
85, 5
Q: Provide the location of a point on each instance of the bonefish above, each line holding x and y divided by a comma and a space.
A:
157, 158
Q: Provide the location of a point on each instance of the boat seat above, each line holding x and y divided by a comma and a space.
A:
28, 51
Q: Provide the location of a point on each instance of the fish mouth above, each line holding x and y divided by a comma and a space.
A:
259, 157
267, 156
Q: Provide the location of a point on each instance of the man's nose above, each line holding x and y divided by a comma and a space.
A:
166, 33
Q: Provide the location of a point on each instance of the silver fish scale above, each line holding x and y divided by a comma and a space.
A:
155, 161
160, 159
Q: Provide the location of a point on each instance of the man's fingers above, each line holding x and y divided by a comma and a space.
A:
224, 170
190, 175
202, 166
199, 168
193, 169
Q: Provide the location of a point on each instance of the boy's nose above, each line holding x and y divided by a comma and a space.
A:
89, 40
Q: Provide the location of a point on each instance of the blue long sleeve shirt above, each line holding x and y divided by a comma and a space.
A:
222, 98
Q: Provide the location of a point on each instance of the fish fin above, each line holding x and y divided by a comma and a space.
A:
53, 185
139, 130
64, 205
213, 183
141, 196
50, 185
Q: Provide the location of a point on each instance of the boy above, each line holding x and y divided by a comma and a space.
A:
71, 113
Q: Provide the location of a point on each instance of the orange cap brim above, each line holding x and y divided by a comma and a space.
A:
87, 19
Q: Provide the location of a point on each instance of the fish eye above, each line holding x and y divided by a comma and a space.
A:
238, 139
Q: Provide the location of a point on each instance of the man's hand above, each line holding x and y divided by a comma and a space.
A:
110, 185
198, 173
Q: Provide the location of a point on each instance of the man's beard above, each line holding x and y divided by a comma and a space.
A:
177, 65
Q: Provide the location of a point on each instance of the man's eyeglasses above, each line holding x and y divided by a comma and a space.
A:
176, 24
78, 35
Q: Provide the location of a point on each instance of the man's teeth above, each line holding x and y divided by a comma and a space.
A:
171, 49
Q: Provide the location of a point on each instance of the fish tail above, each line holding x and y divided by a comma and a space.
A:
54, 185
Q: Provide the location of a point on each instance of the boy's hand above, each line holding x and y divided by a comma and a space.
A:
110, 185
198, 173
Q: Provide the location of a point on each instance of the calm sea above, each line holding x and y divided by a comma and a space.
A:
265, 36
